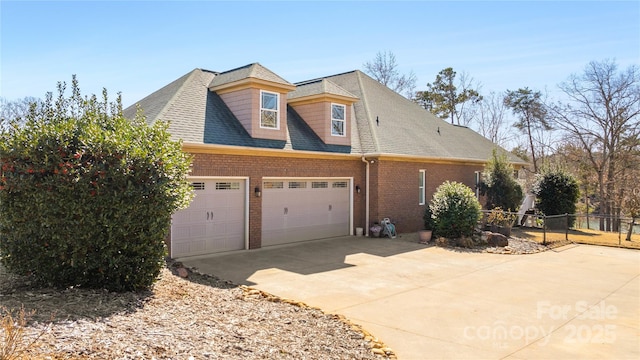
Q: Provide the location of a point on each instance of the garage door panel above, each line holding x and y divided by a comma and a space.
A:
198, 246
299, 220
180, 233
276, 236
236, 213
213, 222
304, 210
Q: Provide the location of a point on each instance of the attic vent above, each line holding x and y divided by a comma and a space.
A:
197, 186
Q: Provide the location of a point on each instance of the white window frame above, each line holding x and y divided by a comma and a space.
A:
277, 110
422, 181
344, 121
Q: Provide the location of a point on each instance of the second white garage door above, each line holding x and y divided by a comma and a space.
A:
298, 210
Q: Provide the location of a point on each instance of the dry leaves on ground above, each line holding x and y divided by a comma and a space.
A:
200, 317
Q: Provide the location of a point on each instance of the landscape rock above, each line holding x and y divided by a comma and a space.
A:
182, 272
465, 242
498, 240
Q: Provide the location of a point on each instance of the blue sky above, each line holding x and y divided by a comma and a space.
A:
136, 47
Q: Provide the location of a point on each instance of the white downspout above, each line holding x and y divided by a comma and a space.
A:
366, 189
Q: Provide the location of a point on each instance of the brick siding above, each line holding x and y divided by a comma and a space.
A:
393, 184
397, 191
257, 167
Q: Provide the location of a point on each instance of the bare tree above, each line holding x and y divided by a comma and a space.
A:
16, 110
603, 114
491, 121
384, 69
467, 111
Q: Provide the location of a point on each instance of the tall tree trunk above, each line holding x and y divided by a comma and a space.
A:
533, 153
611, 195
603, 201
630, 231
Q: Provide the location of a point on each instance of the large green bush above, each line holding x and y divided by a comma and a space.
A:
455, 210
499, 184
86, 195
556, 193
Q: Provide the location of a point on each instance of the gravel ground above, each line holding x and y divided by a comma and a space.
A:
200, 317
518, 246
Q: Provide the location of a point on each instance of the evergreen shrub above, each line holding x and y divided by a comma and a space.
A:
86, 195
499, 184
455, 210
556, 193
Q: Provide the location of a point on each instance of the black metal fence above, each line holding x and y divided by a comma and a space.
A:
626, 228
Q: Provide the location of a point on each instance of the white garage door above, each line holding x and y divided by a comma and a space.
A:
214, 222
299, 210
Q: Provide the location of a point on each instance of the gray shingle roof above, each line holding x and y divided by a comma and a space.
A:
317, 87
199, 115
254, 70
391, 124
384, 121
157, 101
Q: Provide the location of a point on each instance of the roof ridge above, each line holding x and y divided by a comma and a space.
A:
250, 71
320, 86
365, 103
238, 68
175, 95
310, 81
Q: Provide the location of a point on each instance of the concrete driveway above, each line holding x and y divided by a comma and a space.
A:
427, 302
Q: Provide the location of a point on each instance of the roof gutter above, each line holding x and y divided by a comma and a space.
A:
248, 150
366, 196
433, 159
257, 151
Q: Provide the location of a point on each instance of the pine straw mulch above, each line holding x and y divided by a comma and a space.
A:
200, 317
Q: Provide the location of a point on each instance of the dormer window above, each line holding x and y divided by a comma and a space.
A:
269, 113
338, 116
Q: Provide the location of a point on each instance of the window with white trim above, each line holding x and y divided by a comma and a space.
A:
338, 119
421, 187
269, 112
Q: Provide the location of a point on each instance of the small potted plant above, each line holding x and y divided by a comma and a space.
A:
500, 221
426, 234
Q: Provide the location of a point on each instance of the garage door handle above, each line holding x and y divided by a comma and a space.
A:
330, 207
286, 211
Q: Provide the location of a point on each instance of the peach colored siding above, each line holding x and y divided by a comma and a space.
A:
245, 105
318, 117
315, 116
241, 103
265, 133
